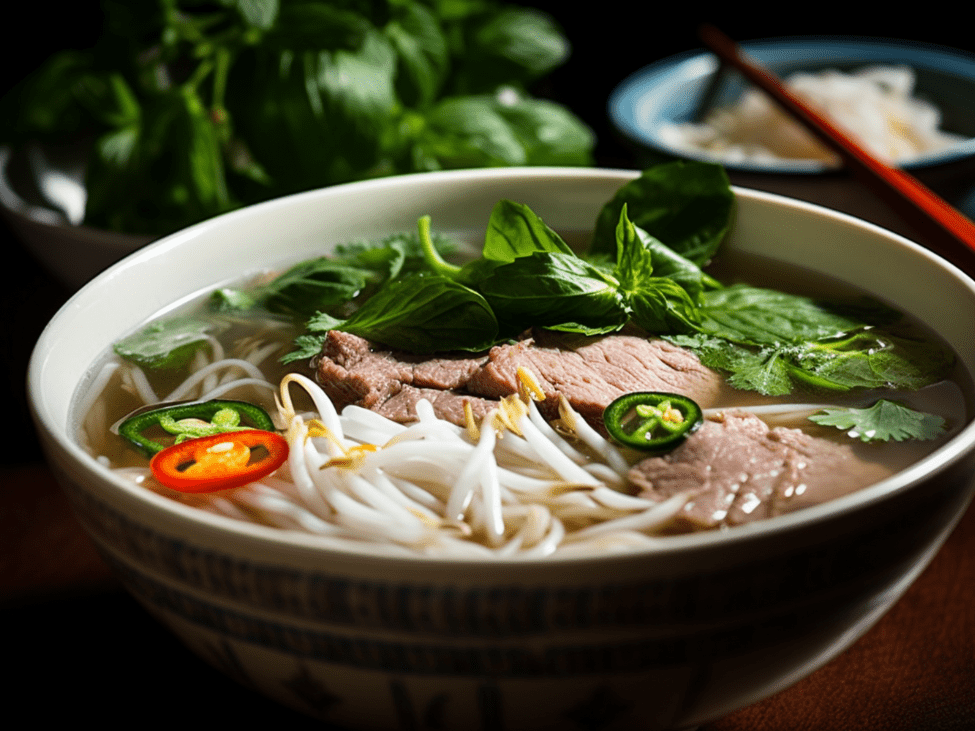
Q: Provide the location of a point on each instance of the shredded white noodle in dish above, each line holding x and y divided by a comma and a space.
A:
876, 104
509, 485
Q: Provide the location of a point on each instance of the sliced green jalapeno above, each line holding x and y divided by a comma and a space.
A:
193, 420
652, 421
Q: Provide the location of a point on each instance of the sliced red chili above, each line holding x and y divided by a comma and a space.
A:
220, 461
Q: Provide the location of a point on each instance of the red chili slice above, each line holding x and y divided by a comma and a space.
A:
220, 461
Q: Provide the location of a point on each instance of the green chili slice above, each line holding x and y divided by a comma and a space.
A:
193, 420
652, 421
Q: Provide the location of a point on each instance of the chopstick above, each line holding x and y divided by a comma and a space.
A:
944, 226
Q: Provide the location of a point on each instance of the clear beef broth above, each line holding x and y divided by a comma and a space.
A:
949, 399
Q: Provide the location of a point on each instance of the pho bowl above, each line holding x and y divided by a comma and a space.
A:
672, 91
666, 638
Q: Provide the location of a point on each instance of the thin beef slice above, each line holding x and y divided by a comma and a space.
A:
736, 469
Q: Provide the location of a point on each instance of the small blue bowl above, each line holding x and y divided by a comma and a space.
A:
671, 90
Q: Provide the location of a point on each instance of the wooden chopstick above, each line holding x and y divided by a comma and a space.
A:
944, 227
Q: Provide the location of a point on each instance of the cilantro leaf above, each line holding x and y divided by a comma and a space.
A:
883, 421
166, 344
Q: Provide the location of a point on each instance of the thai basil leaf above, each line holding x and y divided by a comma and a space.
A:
686, 205
554, 290
549, 133
420, 314
514, 44
469, 131
422, 53
662, 307
514, 230
317, 285
638, 255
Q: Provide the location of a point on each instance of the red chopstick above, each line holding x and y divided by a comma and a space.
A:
942, 224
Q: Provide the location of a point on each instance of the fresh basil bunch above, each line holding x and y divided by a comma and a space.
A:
194, 108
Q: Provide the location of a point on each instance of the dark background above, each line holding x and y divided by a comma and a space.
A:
71, 647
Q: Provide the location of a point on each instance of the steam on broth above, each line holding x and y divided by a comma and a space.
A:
532, 473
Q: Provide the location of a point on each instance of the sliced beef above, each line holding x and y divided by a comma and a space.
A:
351, 371
590, 371
737, 469
447, 405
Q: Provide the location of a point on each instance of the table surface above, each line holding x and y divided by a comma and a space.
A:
78, 646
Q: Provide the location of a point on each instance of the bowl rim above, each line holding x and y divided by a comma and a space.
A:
56, 436
633, 91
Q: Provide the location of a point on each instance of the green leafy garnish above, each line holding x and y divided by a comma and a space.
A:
419, 314
166, 344
883, 421
689, 210
190, 109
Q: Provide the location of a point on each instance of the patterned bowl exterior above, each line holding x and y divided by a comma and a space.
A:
654, 640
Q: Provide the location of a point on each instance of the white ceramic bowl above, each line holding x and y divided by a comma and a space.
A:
668, 639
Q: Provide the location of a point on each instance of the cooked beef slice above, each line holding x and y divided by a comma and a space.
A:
593, 371
351, 371
736, 469
446, 405
589, 371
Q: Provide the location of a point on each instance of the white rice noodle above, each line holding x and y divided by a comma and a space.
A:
136, 378
204, 376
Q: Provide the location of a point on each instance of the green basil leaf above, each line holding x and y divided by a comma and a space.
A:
511, 44
634, 259
317, 284
686, 205
662, 307
553, 290
549, 133
422, 53
514, 230
469, 131
422, 314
